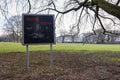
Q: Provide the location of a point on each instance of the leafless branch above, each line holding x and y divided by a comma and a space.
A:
94, 26
77, 2
29, 10
70, 3
78, 23
67, 11
56, 16
96, 14
101, 24
118, 2
108, 18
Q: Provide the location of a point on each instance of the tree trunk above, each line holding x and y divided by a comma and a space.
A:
63, 39
72, 38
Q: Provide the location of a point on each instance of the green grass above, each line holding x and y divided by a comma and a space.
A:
6, 47
114, 59
89, 47
85, 60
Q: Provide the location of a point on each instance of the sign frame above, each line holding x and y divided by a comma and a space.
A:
38, 15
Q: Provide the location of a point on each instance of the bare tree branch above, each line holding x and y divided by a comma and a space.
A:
67, 11
108, 18
94, 25
29, 9
118, 2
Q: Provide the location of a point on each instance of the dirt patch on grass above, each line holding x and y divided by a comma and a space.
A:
77, 66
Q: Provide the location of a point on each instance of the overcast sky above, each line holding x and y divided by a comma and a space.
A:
1, 24
1, 32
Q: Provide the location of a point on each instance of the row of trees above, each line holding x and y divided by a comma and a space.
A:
101, 38
90, 37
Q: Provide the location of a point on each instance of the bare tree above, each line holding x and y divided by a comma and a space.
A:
63, 32
13, 27
86, 7
73, 31
87, 10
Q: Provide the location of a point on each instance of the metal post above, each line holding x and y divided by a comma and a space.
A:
51, 57
27, 58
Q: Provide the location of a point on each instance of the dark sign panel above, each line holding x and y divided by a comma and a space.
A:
38, 29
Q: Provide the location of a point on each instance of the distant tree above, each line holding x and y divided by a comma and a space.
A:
13, 27
99, 37
63, 33
73, 31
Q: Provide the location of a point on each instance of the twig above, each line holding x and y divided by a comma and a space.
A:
29, 10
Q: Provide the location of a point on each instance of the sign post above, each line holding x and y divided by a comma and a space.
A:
27, 58
38, 29
51, 57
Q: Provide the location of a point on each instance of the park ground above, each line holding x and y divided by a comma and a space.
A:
70, 62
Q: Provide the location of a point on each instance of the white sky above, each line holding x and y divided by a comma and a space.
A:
1, 31
1, 22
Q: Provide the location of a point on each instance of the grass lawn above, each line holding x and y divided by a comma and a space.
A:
6, 47
103, 64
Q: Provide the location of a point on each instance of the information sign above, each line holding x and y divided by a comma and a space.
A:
38, 29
